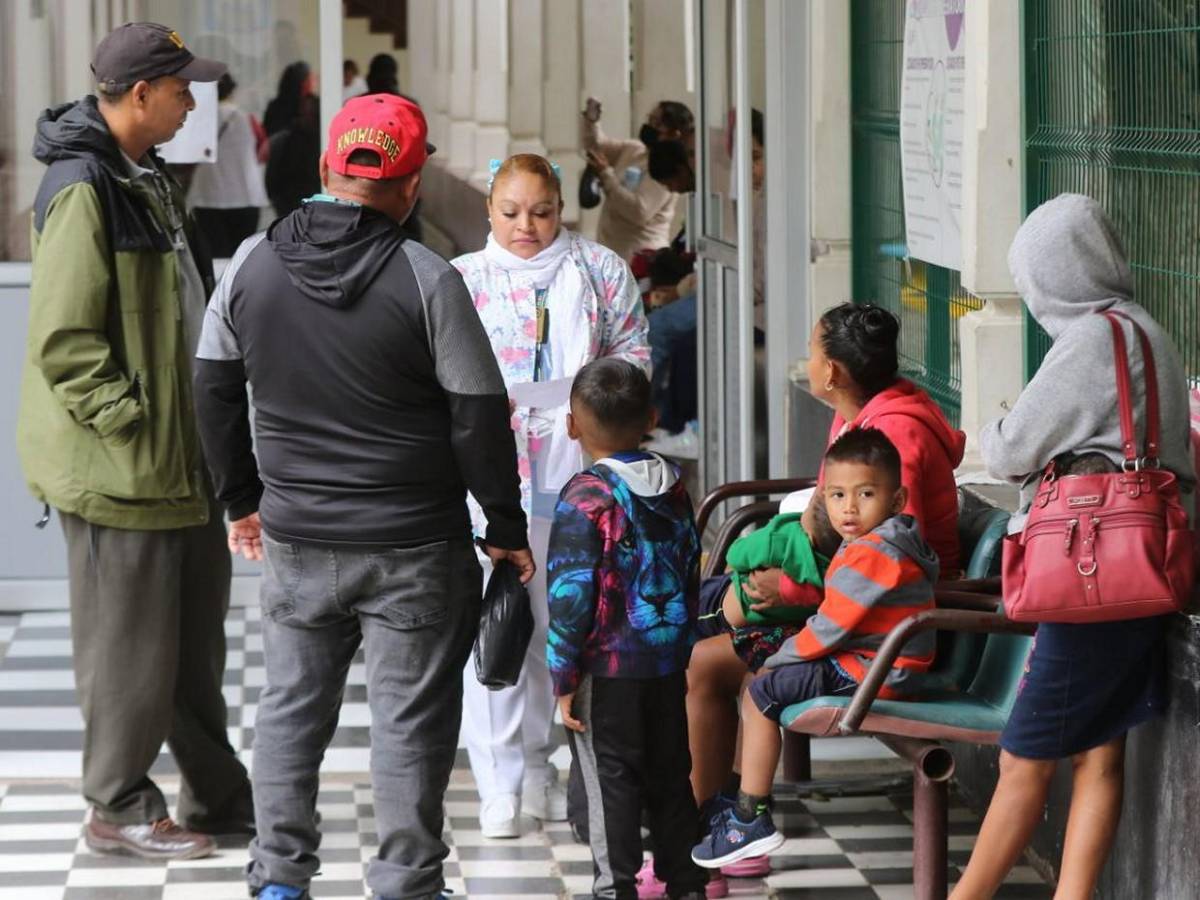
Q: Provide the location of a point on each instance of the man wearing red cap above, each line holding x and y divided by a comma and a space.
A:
378, 405
108, 438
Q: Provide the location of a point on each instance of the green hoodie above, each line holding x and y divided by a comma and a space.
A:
106, 428
780, 544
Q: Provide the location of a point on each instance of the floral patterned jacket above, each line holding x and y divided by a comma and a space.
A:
507, 308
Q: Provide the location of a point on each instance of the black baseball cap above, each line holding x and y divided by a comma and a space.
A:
141, 51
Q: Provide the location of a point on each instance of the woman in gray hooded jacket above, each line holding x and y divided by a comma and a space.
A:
1085, 685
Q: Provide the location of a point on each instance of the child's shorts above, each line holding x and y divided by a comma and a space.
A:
776, 689
710, 618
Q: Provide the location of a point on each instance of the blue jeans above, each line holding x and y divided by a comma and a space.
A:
672, 340
415, 611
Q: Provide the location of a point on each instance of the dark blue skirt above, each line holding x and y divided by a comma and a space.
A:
1085, 685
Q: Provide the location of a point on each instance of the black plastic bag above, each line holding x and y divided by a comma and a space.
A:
505, 628
589, 189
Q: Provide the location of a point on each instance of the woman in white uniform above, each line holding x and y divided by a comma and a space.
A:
551, 301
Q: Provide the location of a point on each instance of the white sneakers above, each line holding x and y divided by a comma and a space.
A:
500, 816
546, 801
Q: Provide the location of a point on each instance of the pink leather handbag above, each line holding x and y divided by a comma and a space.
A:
1100, 548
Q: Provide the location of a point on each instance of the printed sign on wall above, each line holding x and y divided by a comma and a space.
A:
932, 102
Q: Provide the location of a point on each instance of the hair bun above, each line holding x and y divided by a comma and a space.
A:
878, 324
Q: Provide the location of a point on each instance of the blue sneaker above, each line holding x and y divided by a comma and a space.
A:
731, 840
711, 809
275, 891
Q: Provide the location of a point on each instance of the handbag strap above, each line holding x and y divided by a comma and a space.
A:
1124, 395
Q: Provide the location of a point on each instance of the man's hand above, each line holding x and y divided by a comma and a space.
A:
564, 707
597, 161
522, 559
763, 585
245, 537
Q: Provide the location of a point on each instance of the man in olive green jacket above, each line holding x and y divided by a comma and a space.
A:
107, 436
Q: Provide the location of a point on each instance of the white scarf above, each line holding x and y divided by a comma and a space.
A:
570, 337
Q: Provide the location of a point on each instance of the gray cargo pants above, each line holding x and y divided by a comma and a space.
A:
416, 613
148, 634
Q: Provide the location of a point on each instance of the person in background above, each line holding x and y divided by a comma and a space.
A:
673, 329
115, 310
227, 196
383, 75
378, 405
353, 84
295, 83
638, 210
551, 301
623, 567
293, 122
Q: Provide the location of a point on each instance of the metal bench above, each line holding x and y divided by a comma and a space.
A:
981, 658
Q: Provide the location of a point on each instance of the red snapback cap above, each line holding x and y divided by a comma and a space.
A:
391, 126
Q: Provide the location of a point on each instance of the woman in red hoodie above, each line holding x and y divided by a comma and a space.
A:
853, 366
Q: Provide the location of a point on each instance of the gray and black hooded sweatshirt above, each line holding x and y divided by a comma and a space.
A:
1069, 265
378, 402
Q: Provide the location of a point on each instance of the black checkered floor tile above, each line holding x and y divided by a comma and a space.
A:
841, 848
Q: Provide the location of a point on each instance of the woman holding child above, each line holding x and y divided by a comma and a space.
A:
551, 301
853, 366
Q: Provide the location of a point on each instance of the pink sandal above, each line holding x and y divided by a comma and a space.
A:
650, 888
750, 867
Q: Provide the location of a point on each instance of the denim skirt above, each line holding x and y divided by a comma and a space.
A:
1085, 685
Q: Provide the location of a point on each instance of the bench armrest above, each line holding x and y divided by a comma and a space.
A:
952, 598
728, 491
940, 619
742, 517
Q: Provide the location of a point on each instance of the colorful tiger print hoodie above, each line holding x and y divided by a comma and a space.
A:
873, 583
623, 573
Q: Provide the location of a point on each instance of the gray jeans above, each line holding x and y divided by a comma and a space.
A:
416, 613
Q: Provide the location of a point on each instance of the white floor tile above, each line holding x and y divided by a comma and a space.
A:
43, 803
40, 718
35, 862
815, 878
27, 648
117, 877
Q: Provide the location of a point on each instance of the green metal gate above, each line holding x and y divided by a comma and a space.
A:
1112, 99
928, 299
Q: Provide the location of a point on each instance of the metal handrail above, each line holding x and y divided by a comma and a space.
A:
934, 619
732, 489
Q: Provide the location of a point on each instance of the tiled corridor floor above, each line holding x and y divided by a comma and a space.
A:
839, 848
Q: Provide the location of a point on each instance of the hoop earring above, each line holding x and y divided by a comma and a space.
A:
828, 386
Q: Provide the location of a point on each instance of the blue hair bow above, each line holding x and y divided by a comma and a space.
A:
495, 164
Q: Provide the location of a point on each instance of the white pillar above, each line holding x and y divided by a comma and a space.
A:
788, 217
440, 99
604, 48
993, 154
562, 96
73, 53
829, 146
660, 55
422, 56
462, 88
491, 87
331, 62
32, 52
525, 76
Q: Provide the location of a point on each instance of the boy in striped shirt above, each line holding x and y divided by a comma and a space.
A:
882, 574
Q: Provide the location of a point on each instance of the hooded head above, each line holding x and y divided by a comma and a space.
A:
1067, 261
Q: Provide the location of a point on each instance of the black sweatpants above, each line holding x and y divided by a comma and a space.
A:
634, 755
